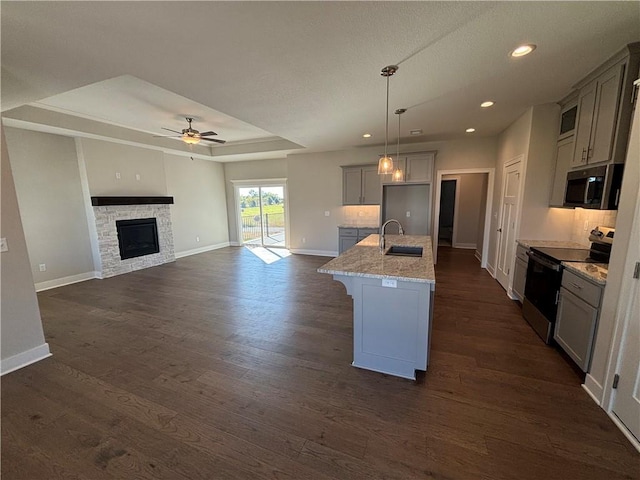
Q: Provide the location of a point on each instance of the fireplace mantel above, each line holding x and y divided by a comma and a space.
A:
114, 201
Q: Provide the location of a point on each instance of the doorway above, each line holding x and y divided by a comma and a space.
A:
446, 223
262, 215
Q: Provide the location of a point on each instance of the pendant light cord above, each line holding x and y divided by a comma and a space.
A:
386, 116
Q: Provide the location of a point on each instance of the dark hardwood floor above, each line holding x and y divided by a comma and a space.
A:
219, 366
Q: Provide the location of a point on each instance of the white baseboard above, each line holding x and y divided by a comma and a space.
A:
60, 282
621, 426
318, 253
208, 248
235, 244
478, 255
593, 388
468, 246
15, 362
491, 269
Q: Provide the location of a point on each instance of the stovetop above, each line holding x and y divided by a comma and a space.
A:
565, 254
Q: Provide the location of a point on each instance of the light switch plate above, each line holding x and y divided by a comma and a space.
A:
408, 213
327, 213
3, 245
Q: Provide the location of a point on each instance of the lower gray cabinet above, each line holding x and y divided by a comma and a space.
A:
520, 272
349, 236
577, 318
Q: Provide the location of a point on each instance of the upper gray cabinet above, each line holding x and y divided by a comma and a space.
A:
361, 185
604, 110
416, 167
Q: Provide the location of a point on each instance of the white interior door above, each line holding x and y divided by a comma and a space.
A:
626, 403
507, 225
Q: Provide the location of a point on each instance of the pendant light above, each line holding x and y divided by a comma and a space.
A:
385, 164
398, 174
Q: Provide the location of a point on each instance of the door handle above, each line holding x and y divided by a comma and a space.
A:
500, 230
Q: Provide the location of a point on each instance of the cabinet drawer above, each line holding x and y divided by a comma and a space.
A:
521, 253
348, 232
582, 288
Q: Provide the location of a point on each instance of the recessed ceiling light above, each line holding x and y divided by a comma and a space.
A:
416, 132
366, 135
523, 50
470, 130
486, 104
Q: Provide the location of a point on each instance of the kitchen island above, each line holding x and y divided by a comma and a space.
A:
392, 303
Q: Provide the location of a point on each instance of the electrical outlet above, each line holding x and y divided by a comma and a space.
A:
197, 239
327, 213
43, 267
138, 176
408, 213
3, 245
118, 176
304, 240
586, 225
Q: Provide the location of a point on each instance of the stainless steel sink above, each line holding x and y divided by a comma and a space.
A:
404, 251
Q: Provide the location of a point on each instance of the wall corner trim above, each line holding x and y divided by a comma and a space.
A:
593, 388
20, 360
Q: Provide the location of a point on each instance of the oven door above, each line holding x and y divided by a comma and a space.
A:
543, 285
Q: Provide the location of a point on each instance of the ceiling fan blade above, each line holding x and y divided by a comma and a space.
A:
167, 136
214, 140
174, 131
208, 134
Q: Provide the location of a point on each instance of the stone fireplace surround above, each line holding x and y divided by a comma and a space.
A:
107, 210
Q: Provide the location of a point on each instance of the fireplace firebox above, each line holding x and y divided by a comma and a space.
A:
138, 237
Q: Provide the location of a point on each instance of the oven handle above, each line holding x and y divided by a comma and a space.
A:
543, 261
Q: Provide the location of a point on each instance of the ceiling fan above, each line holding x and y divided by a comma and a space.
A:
192, 136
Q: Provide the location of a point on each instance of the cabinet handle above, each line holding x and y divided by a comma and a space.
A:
584, 154
579, 287
589, 153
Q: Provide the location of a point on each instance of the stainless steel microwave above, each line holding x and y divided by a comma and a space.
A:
595, 187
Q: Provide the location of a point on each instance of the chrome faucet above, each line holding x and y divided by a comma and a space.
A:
384, 225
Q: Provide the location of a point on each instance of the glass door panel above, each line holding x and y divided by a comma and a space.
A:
262, 215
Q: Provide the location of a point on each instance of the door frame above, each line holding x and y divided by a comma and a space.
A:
487, 214
521, 160
263, 182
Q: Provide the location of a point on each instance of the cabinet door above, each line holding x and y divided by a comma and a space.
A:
564, 154
346, 243
586, 104
351, 186
519, 278
605, 115
371, 186
575, 327
419, 168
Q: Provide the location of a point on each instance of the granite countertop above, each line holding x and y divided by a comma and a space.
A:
365, 260
596, 272
551, 244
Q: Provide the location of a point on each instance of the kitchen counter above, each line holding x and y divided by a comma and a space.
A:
551, 244
392, 303
596, 272
365, 260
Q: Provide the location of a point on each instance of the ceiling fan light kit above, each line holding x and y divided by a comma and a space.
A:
190, 136
385, 164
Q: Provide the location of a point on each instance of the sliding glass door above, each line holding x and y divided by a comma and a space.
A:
262, 215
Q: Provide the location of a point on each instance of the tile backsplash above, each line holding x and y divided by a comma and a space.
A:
590, 219
361, 215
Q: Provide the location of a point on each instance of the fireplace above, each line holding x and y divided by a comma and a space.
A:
137, 237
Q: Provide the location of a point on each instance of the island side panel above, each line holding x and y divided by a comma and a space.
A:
391, 326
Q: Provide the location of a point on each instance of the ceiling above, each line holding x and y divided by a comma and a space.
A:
275, 78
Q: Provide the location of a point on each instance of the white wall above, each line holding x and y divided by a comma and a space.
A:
47, 180
199, 209
471, 192
22, 338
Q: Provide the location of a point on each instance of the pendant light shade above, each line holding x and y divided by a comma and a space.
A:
398, 174
385, 164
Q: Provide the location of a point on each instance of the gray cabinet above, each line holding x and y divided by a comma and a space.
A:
349, 236
361, 185
520, 272
564, 156
604, 110
577, 318
416, 167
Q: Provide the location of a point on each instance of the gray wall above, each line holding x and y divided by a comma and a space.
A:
47, 179
471, 193
200, 209
21, 325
